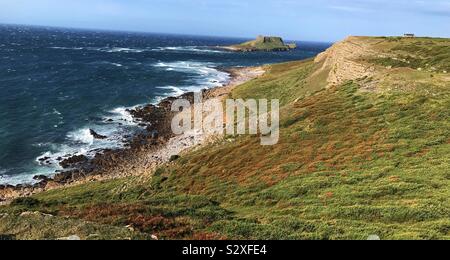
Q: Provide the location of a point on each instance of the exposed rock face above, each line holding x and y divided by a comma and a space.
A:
343, 61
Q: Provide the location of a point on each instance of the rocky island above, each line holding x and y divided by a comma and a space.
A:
262, 43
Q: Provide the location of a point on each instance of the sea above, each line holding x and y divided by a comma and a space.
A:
56, 84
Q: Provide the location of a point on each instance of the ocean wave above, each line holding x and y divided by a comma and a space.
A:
15, 179
56, 112
174, 91
67, 48
103, 49
200, 49
107, 63
122, 115
118, 49
195, 49
205, 74
82, 136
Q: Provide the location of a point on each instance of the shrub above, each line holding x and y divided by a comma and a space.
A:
26, 202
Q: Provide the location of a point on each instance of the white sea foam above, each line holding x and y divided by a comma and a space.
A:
67, 48
103, 49
116, 49
16, 179
200, 49
206, 75
81, 136
175, 91
107, 63
122, 115
56, 112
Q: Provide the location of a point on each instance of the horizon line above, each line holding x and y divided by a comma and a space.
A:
151, 32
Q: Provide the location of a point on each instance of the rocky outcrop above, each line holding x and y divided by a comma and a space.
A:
74, 161
96, 135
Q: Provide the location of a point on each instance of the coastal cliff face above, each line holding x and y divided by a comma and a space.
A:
376, 58
343, 61
363, 150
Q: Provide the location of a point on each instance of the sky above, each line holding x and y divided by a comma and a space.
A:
312, 20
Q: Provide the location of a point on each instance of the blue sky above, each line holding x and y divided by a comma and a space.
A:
314, 20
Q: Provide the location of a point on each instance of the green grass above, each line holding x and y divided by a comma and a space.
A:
286, 82
349, 164
38, 226
424, 53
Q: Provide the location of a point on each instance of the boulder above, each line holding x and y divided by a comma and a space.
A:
96, 135
41, 178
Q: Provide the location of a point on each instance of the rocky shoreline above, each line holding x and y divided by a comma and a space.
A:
141, 155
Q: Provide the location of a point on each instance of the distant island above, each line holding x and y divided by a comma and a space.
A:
262, 43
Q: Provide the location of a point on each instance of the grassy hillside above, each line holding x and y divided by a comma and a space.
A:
366, 157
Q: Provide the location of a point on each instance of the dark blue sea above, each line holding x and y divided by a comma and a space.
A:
56, 84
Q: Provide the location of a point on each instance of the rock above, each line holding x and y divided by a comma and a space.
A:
154, 134
154, 237
44, 159
4, 215
26, 214
96, 135
374, 238
73, 161
129, 227
63, 177
41, 178
35, 213
174, 158
23, 186
70, 238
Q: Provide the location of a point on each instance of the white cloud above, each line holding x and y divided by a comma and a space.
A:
349, 8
